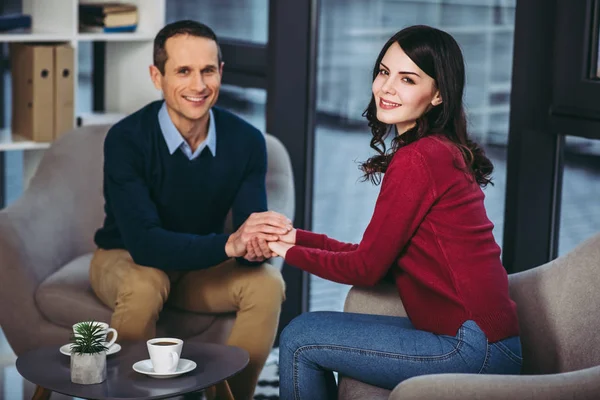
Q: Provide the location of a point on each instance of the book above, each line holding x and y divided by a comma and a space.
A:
125, 18
106, 29
14, 21
101, 9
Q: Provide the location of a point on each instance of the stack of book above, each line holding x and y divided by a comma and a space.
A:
108, 17
15, 22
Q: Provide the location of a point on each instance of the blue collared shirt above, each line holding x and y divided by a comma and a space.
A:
175, 140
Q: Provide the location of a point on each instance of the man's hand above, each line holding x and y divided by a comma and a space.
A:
289, 237
267, 226
258, 250
280, 248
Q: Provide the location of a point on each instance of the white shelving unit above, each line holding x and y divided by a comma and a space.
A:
128, 55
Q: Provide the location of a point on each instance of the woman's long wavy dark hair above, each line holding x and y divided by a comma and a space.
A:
440, 57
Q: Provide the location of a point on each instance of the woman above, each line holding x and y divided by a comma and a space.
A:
429, 233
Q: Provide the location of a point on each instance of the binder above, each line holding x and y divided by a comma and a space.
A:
64, 89
32, 73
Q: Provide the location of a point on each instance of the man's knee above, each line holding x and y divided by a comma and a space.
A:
266, 282
146, 286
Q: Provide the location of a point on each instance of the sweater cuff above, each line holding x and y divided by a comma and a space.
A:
243, 261
293, 256
300, 257
309, 239
220, 242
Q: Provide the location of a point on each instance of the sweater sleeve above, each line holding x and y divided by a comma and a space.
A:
406, 195
320, 241
138, 220
252, 194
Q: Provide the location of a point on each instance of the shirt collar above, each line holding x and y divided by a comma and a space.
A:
174, 139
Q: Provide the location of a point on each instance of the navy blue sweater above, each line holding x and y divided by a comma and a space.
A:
169, 211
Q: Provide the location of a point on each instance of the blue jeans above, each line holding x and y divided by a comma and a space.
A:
381, 351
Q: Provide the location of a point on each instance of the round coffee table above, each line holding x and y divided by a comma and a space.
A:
50, 369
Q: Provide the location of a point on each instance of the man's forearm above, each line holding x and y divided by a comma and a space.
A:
177, 251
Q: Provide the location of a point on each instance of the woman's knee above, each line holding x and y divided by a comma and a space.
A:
301, 330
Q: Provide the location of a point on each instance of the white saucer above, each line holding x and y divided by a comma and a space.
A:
145, 367
115, 348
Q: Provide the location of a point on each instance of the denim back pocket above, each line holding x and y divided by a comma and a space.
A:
504, 357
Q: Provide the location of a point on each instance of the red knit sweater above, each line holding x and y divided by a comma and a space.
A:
431, 232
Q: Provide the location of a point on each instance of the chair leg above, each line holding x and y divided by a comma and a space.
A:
41, 393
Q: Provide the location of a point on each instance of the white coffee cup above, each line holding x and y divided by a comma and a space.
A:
105, 331
164, 354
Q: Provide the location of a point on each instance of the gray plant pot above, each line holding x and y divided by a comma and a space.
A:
88, 369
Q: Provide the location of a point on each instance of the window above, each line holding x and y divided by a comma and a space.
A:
580, 214
246, 20
596, 42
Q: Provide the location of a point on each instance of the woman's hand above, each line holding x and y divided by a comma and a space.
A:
289, 237
280, 248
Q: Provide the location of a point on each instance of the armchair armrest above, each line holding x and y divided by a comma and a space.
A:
581, 385
281, 196
382, 299
19, 316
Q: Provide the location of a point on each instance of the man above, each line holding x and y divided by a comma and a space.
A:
172, 170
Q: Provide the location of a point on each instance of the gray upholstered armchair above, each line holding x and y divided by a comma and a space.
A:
46, 246
558, 305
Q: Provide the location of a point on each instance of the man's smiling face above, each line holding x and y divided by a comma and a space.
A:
192, 78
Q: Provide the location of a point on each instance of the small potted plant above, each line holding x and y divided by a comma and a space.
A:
88, 353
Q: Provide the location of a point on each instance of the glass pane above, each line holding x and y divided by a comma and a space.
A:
598, 51
234, 19
351, 35
84, 78
248, 103
580, 213
13, 160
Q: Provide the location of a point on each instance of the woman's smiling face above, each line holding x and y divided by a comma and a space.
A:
402, 91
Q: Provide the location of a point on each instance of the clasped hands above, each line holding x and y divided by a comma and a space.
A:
262, 236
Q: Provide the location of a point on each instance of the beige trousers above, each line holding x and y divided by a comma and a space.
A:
137, 294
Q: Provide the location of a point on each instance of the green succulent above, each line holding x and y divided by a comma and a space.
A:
88, 338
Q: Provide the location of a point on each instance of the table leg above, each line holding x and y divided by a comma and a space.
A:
41, 393
223, 391
194, 396
220, 391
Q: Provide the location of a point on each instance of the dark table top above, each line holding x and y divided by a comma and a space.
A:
50, 369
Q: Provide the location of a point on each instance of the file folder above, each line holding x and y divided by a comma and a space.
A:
64, 88
32, 70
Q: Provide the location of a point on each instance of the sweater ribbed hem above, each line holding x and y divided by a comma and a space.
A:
496, 325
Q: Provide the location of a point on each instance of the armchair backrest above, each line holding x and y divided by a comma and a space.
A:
62, 207
559, 311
